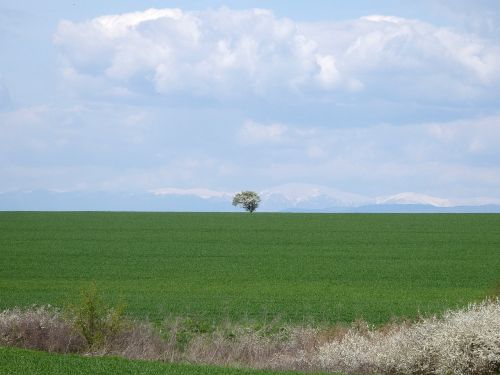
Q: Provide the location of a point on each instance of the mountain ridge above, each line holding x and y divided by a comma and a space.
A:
282, 198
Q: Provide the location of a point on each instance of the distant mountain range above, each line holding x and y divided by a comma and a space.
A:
284, 198
403, 208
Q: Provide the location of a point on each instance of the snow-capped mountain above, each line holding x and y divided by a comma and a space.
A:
282, 197
290, 197
414, 198
411, 198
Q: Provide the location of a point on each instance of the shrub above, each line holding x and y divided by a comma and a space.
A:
95, 321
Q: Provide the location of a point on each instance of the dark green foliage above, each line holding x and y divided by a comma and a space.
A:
217, 266
94, 319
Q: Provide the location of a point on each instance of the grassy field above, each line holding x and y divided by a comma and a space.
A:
22, 362
296, 266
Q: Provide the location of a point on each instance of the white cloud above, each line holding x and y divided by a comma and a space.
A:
328, 75
217, 53
380, 43
385, 52
226, 52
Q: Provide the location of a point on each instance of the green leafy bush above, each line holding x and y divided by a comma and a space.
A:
95, 320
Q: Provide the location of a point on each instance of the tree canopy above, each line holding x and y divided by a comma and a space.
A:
249, 200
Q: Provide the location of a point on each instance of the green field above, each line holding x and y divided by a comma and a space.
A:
318, 267
22, 362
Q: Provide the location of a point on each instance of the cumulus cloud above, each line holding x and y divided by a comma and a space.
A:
219, 52
227, 52
410, 57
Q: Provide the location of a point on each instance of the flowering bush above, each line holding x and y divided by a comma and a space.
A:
461, 342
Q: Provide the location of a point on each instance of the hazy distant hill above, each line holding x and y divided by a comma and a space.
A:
105, 201
285, 198
403, 208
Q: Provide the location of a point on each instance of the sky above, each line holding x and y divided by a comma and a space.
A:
369, 98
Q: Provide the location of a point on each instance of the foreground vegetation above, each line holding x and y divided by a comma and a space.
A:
464, 342
22, 362
300, 267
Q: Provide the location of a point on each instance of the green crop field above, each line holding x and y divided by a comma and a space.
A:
22, 362
318, 267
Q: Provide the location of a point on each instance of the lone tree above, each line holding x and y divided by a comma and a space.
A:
249, 200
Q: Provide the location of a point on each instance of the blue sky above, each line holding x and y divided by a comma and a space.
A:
370, 98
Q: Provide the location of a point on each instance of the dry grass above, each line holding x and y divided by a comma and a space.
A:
42, 328
466, 341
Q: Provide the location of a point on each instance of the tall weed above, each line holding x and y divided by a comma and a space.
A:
96, 321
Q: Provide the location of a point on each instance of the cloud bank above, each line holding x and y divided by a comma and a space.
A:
223, 53
102, 148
